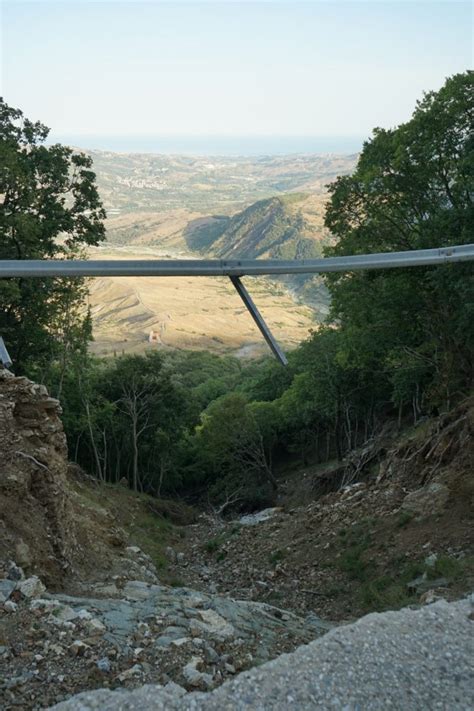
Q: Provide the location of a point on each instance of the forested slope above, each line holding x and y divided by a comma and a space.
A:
398, 345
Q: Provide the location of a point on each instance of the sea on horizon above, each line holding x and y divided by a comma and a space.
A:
235, 146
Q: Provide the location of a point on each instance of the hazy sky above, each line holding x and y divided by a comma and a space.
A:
230, 68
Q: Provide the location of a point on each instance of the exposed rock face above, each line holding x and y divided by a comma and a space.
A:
37, 524
151, 634
427, 501
400, 660
46, 528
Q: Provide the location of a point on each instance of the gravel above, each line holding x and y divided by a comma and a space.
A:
408, 660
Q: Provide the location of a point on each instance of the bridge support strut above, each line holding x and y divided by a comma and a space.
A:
259, 320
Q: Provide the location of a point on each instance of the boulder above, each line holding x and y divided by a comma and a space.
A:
6, 589
31, 587
427, 501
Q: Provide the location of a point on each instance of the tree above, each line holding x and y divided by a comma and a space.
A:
413, 188
232, 447
49, 208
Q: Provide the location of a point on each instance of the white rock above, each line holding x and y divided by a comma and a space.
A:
62, 616
194, 677
170, 553
138, 590
84, 614
79, 648
133, 550
130, 673
6, 589
43, 605
95, 627
431, 560
215, 625
254, 519
31, 587
10, 606
180, 642
57, 649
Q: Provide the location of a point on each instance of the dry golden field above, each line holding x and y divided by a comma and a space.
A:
191, 313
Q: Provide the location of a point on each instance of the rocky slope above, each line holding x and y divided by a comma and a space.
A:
408, 660
57, 645
82, 606
36, 513
402, 530
116, 626
47, 528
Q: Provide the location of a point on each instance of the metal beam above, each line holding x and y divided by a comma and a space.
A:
259, 320
232, 267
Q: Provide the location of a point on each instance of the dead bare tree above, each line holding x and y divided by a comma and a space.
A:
136, 403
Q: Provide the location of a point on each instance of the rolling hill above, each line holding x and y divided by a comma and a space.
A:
176, 206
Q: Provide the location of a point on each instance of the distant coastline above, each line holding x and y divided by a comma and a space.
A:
238, 146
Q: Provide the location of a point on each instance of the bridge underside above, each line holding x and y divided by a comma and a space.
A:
234, 269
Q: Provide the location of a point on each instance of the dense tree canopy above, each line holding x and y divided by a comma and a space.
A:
49, 208
413, 189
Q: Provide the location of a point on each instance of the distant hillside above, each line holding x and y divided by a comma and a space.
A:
130, 182
284, 227
290, 226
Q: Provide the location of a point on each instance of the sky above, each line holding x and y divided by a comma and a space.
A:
223, 68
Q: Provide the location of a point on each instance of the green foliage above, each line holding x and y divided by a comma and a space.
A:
233, 441
212, 545
50, 209
397, 342
412, 189
447, 567
404, 518
391, 591
355, 543
201, 234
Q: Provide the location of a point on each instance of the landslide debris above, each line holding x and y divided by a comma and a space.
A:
406, 660
81, 609
47, 526
57, 645
82, 606
400, 533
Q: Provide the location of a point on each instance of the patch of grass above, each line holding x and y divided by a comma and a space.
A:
446, 567
176, 583
139, 514
352, 562
384, 594
403, 519
276, 556
389, 591
355, 541
222, 555
213, 544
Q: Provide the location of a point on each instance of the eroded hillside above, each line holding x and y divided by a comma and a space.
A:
155, 592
